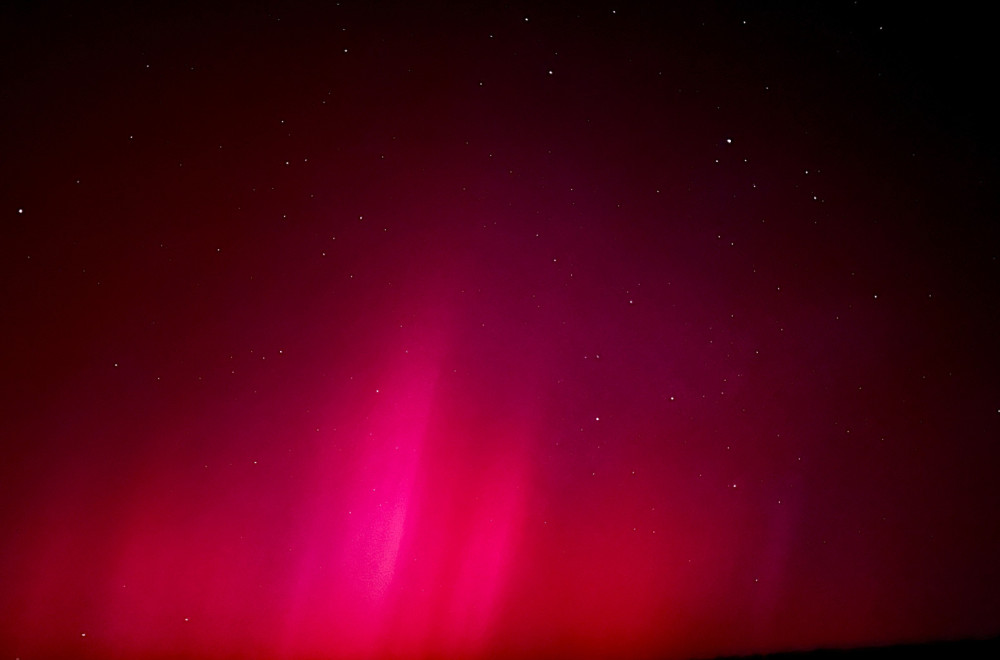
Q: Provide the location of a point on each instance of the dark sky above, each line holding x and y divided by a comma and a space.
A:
469, 330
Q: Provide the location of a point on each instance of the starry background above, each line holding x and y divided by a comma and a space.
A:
368, 329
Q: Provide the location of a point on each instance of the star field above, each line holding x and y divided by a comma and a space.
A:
413, 330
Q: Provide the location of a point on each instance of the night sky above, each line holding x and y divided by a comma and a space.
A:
369, 330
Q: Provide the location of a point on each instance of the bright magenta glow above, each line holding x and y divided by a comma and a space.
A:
411, 552
372, 330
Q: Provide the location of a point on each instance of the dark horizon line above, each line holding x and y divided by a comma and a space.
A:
969, 647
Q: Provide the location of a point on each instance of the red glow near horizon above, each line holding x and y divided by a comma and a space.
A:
372, 331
